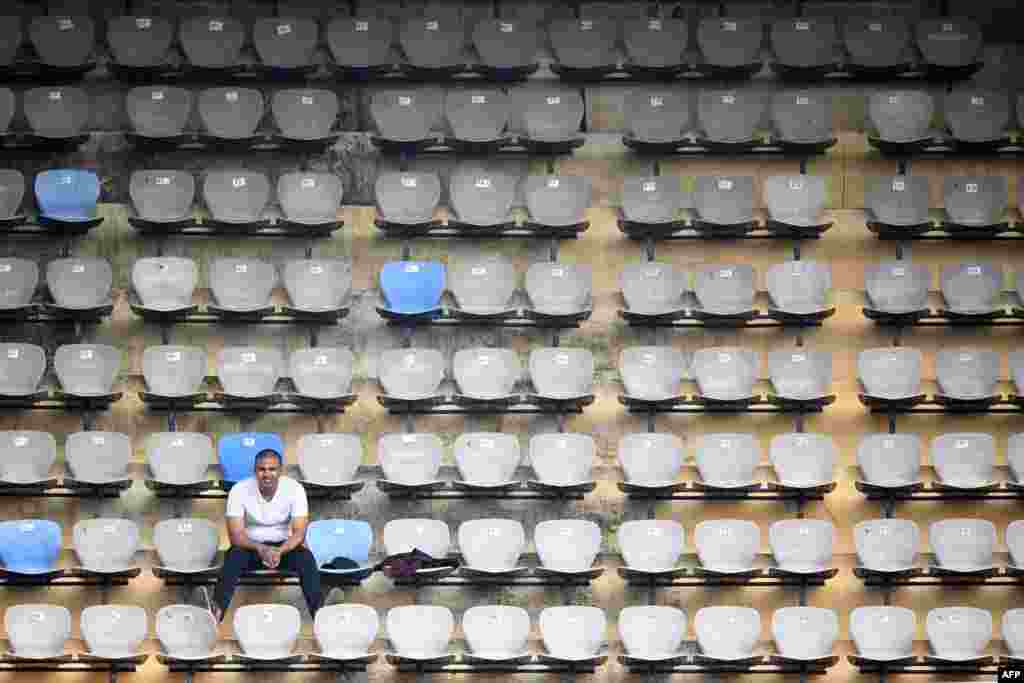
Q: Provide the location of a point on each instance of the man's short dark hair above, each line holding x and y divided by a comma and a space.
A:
268, 453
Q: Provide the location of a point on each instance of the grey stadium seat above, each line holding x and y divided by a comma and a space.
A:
242, 284
26, 457
481, 197
897, 286
286, 42
174, 371
562, 459
363, 41
653, 288
506, 46
967, 374
433, 43
79, 283
725, 374
727, 460
318, 285
179, 458
487, 374
406, 115
557, 201
496, 633
12, 192
492, 546
877, 44
19, 279
212, 42
653, 633
802, 117
230, 113
98, 457
950, 42
165, 283
725, 290
267, 632
729, 117
890, 460
37, 631
898, 200
657, 116
976, 200
727, 633
322, 373
21, 369
799, 287
652, 200
186, 632
887, 545
650, 546
963, 545
805, 633
186, 546
432, 536
805, 45
964, 460
800, 375
562, 374
106, 545
159, 111
420, 632
87, 369
248, 371
484, 285
236, 196
559, 288
309, 198
883, 633
977, 116
727, 546
411, 374
652, 373
346, 631
329, 459
584, 44
901, 116
551, 115
972, 288
161, 196
114, 631
478, 115
656, 44
803, 460
487, 459
796, 200
892, 374
407, 198
63, 41
731, 43
305, 114
725, 200
140, 41
651, 460
56, 112
567, 546
958, 634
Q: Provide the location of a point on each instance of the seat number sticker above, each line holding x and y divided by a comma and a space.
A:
974, 270
654, 25
657, 101
554, 99
586, 25
178, 443
875, 27
316, 270
308, 183
362, 26
404, 101
899, 186
478, 99
506, 27
553, 183
649, 186
728, 99
431, 25
241, 267
558, 272
562, 359
320, 360
78, 268
185, 527
894, 99
796, 185
56, 95
412, 268
306, 99
143, 23
724, 184
724, 357
978, 101
248, 442
725, 273
802, 26
284, 29
216, 26
98, 441
13, 354
483, 183
728, 25
802, 100
408, 181
65, 24
479, 270
231, 96
971, 188
157, 95
248, 357
173, 356
20, 441
85, 354
5, 268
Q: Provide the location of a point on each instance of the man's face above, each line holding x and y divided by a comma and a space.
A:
268, 471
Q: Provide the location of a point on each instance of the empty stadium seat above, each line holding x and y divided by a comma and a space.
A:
407, 115
29, 547
487, 459
804, 47
496, 633
887, 545
428, 535
98, 458
317, 286
492, 546
410, 459
803, 460
179, 458
973, 288
800, 288
725, 374
651, 460
561, 373
267, 632
487, 374
411, 374
242, 285
345, 632
79, 283
1015, 457
795, 200
477, 116
18, 281
1012, 630
567, 546
186, 632
106, 545
407, 198
654, 45
163, 197
652, 633
12, 192
562, 460
63, 42
975, 201
230, 114
728, 117
967, 374
286, 43
507, 48
56, 112
21, 369
727, 546
890, 374
420, 632
652, 200
727, 633
329, 459
890, 460
212, 42
310, 198
900, 201
557, 201
656, 118
584, 47
652, 373
480, 197
159, 111
573, 633
185, 546
67, 195
362, 42
877, 46
897, 287
802, 546
165, 283
559, 289
236, 196
653, 289
483, 286
725, 290
727, 460
800, 375
87, 369
174, 371
901, 117
804, 633
1015, 543
433, 44
724, 203
650, 546
26, 457
249, 371
958, 634
731, 46
37, 631
322, 373
963, 545
139, 42
976, 116
950, 46
350, 539
551, 116
237, 453
802, 118
306, 115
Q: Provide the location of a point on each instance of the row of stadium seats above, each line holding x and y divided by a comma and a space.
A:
869, 44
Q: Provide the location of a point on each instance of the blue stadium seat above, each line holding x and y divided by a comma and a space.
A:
30, 546
68, 195
237, 452
412, 287
347, 538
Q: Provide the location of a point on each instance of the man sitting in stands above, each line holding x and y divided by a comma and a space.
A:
267, 515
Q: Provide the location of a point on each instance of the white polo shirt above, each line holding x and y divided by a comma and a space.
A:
267, 521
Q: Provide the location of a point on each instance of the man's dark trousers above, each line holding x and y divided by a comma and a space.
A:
299, 561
